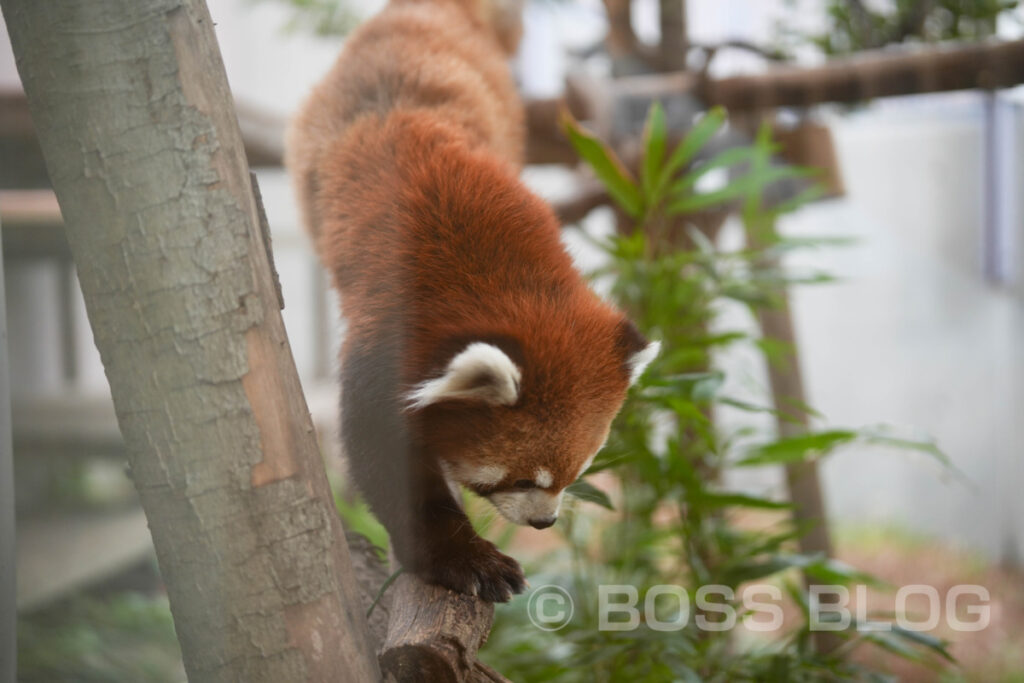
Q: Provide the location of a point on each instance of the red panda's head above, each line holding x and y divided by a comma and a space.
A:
517, 421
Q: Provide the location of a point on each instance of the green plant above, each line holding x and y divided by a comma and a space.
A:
852, 25
674, 521
126, 637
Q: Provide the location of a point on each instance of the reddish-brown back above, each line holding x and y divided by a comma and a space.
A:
406, 160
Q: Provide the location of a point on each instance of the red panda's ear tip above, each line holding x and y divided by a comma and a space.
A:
630, 340
638, 352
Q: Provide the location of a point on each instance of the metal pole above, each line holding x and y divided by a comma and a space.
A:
999, 177
8, 652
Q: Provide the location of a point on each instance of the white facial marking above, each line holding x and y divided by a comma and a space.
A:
480, 475
543, 478
481, 372
519, 507
641, 359
485, 475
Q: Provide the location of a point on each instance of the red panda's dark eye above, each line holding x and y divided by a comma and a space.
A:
525, 484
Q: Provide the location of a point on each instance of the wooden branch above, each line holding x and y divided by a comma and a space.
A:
712, 49
881, 74
616, 107
421, 631
131, 105
434, 634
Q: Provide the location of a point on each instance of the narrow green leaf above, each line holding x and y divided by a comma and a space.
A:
387, 584
724, 159
654, 148
694, 141
696, 202
937, 645
589, 493
751, 570
831, 571
798, 448
926, 447
609, 170
720, 499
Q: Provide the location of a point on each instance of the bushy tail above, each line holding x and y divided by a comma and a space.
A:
504, 18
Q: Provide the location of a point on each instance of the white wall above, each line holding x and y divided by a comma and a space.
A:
914, 336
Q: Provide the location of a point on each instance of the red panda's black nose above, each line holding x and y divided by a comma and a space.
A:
543, 523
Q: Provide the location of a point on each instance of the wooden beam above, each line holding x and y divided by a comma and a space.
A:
58, 555
883, 73
33, 227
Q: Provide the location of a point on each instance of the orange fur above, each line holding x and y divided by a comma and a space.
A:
406, 161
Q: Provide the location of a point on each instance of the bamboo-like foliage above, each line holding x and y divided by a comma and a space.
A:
675, 522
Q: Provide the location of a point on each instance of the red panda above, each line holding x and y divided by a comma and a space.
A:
475, 353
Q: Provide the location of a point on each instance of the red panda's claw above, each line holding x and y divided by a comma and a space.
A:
499, 576
483, 571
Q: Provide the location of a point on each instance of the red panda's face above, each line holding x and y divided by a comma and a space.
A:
517, 439
523, 467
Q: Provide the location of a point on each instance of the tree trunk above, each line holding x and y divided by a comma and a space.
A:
132, 107
8, 649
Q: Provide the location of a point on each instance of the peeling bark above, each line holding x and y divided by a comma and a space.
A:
136, 122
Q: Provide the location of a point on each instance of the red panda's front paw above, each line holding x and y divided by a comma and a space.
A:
478, 569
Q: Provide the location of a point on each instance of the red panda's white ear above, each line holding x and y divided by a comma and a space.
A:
480, 372
639, 361
636, 350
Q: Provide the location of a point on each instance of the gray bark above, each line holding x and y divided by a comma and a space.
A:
8, 649
136, 122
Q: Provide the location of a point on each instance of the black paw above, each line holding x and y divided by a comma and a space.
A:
479, 569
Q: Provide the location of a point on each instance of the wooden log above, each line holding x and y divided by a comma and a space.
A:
885, 73
434, 634
616, 107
